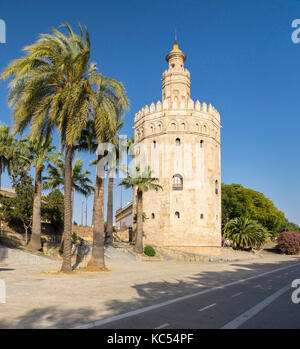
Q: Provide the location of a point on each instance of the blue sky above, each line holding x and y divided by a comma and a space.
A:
241, 58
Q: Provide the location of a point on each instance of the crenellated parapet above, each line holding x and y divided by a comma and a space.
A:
191, 108
192, 118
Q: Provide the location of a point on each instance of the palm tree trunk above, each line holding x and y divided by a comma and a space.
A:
97, 260
67, 243
35, 241
73, 190
110, 205
0, 192
139, 223
0, 173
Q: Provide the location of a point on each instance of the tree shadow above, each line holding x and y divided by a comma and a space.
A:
49, 317
147, 293
152, 293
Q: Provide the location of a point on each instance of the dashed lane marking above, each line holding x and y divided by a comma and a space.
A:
162, 326
209, 306
237, 294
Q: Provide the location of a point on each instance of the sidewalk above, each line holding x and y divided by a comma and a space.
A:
37, 299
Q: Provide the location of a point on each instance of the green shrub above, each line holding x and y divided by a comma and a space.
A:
245, 233
149, 251
74, 238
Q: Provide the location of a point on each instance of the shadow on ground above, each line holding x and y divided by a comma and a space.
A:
156, 292
49, 317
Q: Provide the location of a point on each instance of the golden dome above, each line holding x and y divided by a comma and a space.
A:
175, 48
176, 52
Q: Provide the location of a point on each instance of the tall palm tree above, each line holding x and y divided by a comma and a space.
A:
53, 86
143, 181
111, 173
6, 150
40, 151
245, 233
6, 154
112, 103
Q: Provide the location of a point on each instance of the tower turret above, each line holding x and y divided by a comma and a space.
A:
176, 80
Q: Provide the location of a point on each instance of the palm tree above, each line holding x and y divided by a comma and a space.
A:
143, 181
39, 151
52, 86
80, 181
55, 178
245, 233
112, 103
6, 154
111, 172
6, 150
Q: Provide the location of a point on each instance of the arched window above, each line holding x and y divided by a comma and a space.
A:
201, 143
152, 215
154, 144
177, 182
216, 187
177, 215
177, 142
201, 216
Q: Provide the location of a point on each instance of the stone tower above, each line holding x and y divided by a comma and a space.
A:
180, 140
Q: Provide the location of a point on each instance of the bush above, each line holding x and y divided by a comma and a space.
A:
149, 251
244, 233
289, 242
74, 238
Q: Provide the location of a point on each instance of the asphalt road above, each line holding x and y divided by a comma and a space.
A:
262, 301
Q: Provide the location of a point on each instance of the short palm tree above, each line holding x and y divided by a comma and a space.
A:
39, 151
143, 181
245, 233
55, 177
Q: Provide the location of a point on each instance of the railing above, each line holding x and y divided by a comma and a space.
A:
177, 187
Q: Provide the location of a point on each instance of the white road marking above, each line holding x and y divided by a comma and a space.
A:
209, 306
101, 322
256, 286
237, 294
161, 326
235, 323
